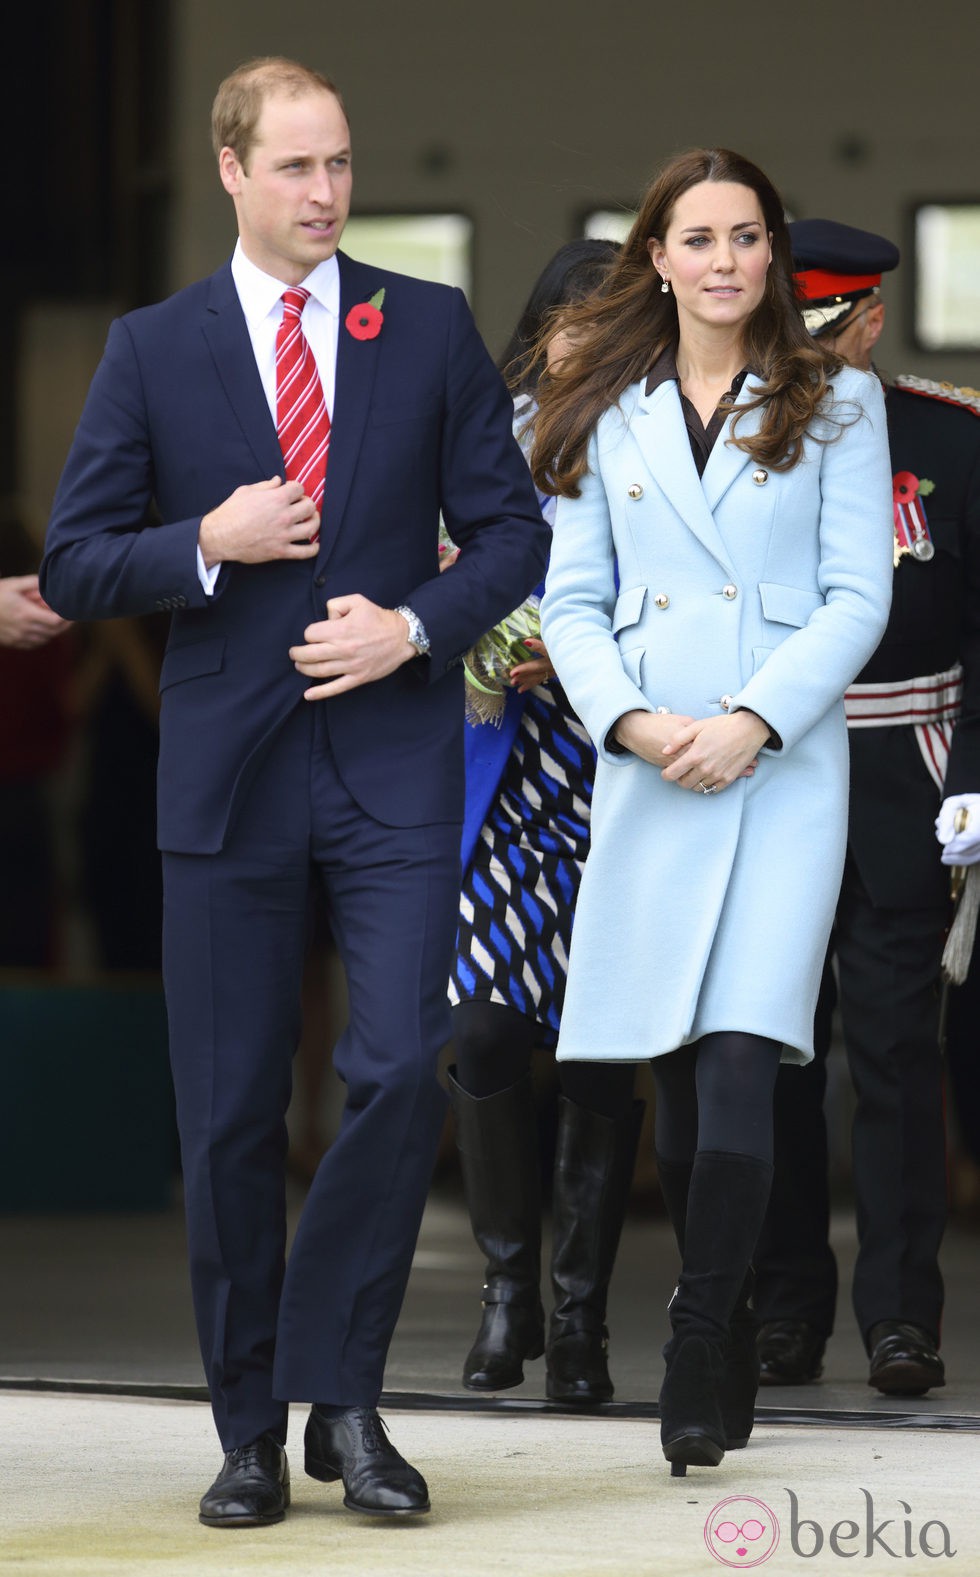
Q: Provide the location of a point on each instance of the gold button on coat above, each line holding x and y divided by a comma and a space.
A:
662, 600
729, 591
635, 490
760, 477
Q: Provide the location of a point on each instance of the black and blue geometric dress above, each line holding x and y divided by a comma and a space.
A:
521, 885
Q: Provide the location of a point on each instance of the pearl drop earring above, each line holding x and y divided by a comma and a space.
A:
665, 287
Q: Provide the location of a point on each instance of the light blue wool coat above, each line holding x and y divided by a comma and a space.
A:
752, 587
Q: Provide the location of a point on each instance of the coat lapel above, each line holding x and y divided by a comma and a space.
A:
725, 462
226, 332
662, 437
357, 362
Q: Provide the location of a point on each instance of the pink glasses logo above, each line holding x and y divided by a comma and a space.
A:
741, 1532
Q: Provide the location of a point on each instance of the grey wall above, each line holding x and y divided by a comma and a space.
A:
523, 115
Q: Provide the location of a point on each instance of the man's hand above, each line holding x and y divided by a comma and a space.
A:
26, 621
356, 644
647, 734
260, 522
712, 752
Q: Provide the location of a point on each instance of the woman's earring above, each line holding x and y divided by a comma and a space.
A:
665, 287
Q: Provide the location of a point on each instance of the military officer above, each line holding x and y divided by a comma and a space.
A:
914, 730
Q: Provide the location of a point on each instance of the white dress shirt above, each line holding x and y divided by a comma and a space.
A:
261, 299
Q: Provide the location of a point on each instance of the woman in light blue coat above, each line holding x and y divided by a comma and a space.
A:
720, 571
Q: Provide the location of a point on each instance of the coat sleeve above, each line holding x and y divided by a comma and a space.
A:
102, 558
963, 770
578, 613
810, 670
488, 503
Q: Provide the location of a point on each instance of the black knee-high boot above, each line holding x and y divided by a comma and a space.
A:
594, 1165
498, 1146
740, 1377
726, 1204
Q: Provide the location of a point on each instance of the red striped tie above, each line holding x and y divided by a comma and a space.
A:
302, 421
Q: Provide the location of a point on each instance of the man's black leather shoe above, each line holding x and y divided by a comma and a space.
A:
252, 1488
790, 1353
904, 1359
355, 1447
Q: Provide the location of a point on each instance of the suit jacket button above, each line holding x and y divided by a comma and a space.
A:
181, 602
662, 600
320, 580
635, 490
729, 591
760, 477
725, 702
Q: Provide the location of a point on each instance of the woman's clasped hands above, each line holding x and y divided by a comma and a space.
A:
704, 755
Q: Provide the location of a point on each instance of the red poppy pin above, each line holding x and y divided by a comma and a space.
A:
906, 487
364, 321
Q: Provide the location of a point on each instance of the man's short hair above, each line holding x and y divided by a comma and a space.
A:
239, 100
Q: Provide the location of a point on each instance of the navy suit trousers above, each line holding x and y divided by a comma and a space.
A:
235, 933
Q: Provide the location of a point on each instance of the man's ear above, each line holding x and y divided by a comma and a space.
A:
874, 323
230, 171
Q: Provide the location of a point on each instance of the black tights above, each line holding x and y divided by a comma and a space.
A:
716, 1095
493, 1045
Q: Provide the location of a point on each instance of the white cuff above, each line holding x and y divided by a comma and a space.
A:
206, 576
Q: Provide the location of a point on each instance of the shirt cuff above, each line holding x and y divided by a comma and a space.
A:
207, 577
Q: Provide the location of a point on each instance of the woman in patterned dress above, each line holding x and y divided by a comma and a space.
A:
529, 791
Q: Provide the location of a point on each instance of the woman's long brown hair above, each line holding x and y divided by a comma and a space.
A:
620, 331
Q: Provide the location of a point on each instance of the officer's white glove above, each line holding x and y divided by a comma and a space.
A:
959, 848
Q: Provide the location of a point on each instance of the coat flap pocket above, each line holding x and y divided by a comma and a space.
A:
629, 606
192, 660
788, 604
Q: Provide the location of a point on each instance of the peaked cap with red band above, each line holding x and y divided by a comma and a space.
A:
836, 266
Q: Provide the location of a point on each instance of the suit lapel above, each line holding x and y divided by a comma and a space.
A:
661, 434
357, 362
227, 335
725, 462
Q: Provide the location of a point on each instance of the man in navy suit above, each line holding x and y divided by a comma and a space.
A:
310, 731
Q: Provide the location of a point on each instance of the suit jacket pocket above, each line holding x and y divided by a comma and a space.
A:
192, 660
788, 604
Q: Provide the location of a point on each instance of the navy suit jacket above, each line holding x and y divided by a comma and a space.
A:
176, 419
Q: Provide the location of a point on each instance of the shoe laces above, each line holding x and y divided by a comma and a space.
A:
373, 1430
250, 1455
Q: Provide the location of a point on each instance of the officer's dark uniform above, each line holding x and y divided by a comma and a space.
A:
893, 910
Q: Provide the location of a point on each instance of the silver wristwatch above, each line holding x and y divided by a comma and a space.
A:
416, 629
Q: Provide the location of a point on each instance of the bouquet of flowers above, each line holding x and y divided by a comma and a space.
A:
487, 665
